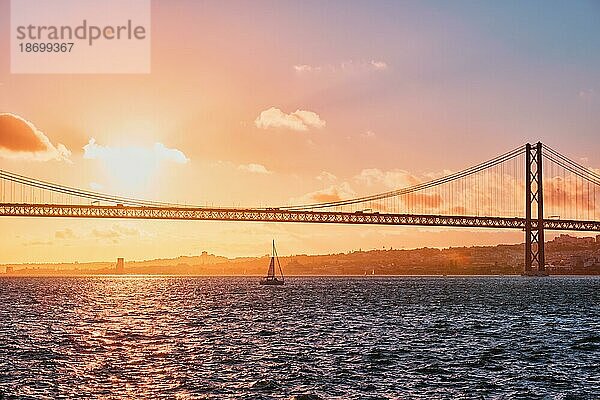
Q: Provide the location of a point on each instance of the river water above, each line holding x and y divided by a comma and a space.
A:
328, 338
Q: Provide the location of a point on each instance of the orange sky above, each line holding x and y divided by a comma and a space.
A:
422, 88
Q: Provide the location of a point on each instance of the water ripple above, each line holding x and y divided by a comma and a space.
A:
314, 338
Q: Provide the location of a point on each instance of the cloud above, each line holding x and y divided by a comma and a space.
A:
299, 120
379, 65
20, 139
65, 234
587, 94
427, 200
310, 118
38, 243
568, 196
393, 179
255, 168
117, 231
303, 68
158, 152
349, 66
96, 186
126, 230
565, 196
333, 193
105, 234
326, 177
368, 134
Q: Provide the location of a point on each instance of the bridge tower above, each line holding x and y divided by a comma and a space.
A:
535, 262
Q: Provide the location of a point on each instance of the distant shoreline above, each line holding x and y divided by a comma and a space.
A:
565, 255
92, 275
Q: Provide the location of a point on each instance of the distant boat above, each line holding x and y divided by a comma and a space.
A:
271, 278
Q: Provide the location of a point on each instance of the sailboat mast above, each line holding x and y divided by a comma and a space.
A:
273, 259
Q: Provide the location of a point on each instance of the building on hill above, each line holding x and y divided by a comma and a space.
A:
564, 239
120, 267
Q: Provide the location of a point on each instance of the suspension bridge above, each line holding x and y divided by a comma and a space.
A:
533, 188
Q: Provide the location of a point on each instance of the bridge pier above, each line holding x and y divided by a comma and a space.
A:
535, 261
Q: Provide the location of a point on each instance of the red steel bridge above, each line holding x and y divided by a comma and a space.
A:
533, 188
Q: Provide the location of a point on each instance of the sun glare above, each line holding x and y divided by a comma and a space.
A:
132, 168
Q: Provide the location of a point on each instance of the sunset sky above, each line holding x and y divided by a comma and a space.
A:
269, 103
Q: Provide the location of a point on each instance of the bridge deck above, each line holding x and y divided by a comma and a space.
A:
281, 215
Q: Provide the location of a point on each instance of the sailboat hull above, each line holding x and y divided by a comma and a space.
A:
271, 282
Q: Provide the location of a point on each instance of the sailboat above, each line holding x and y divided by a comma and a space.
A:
271, 278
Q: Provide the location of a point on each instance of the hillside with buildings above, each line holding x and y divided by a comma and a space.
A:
564, 255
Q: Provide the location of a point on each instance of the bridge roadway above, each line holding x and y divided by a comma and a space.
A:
282, 215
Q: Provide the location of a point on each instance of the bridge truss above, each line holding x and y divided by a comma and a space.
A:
279, 215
